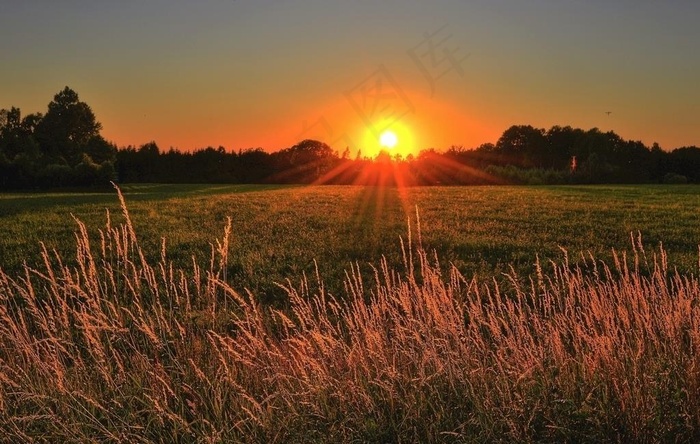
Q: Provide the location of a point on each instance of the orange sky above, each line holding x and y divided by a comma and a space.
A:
268, 74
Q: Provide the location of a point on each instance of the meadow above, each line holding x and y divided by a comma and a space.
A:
342, 314
278, 232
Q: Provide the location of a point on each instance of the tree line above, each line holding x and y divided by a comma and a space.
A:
64, 148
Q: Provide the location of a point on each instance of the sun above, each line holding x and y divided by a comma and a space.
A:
394, 137
388, 139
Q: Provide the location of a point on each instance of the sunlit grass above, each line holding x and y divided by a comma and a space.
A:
117, 347
278, 231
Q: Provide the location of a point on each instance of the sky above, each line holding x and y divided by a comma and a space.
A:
270, 73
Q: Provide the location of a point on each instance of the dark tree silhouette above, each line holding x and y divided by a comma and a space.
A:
64, 148
562, 141
523, 146
305, 162
61, 148
67, 128
16, 134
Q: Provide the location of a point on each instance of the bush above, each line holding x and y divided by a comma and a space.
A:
56, 175
673, 178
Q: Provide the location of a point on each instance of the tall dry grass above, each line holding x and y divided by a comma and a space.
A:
114, 348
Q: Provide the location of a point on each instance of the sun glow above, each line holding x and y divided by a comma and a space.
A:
395, 137
388, 139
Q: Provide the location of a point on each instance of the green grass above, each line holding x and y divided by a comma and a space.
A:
278, 232
118, 345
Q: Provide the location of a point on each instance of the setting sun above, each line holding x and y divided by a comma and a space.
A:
388, 139
396, 137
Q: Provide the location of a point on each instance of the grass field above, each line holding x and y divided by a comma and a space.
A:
109, 342
277, 232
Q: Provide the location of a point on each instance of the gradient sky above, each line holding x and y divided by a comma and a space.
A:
269, 73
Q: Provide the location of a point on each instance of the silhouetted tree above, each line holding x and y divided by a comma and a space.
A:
67, 128
20, 156
685, 161
523, 146
561, 141
64, 148
255, 165
305, 162
16, 134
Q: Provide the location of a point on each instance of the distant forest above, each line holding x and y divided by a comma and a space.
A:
64, 148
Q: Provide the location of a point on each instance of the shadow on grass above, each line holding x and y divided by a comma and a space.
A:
15, 203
